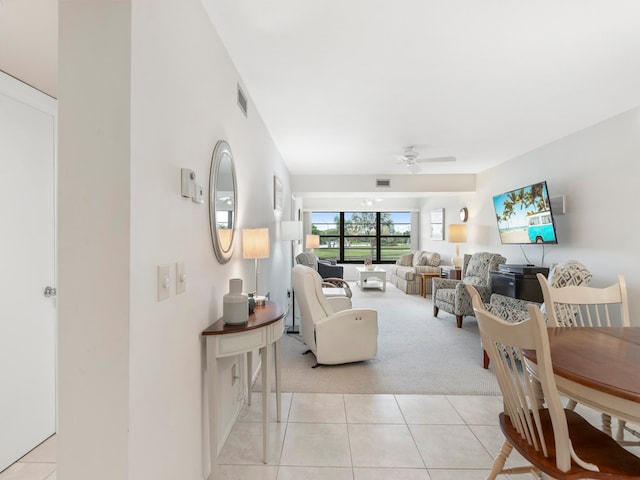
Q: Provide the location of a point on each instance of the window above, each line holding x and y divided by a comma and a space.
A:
354, 236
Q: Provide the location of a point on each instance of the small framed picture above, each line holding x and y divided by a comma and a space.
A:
437, 224
278, 193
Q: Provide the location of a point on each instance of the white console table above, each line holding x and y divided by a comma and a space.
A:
264, 329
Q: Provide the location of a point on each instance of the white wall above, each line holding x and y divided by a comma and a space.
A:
93, 240
135, 378
597, 171
451, 206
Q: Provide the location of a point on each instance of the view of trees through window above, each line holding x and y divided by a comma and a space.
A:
355, 236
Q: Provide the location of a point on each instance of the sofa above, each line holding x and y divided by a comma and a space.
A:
404, 274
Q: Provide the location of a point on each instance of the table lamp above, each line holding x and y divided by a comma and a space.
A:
312, 241
457, 235
255, 244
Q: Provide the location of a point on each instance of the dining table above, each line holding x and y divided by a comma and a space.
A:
598, 367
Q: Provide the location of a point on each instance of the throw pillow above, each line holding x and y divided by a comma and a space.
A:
405, 260
433, 259
565, 274
571, 272
422, 261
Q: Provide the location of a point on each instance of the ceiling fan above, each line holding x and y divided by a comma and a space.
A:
410, 158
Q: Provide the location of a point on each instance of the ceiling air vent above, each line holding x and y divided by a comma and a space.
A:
383, 182
242, 101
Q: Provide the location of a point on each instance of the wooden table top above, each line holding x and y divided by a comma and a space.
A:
262, 316
603, 358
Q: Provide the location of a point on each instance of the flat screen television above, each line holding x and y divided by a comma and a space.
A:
524, 215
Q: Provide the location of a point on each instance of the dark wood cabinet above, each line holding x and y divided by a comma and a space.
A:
451, 272
516, 285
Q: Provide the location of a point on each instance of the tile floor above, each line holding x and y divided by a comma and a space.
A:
350, 437
38, 464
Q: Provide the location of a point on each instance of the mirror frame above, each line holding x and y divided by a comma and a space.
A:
221, 152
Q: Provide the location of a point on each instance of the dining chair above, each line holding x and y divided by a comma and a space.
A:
582, 306
555, 441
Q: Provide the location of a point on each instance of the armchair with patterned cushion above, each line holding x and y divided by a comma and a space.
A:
561, 275
452, 296
326, 268
514, 310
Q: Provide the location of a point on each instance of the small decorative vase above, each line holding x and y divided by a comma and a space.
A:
234, 304
252, 303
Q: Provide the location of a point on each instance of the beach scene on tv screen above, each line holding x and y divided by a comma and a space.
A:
524, 215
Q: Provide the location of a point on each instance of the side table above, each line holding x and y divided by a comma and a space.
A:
449, 271
264, 329
376, 278
425, 278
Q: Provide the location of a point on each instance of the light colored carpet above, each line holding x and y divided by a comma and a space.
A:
417, 353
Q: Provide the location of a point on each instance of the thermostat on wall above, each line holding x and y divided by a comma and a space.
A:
188, 181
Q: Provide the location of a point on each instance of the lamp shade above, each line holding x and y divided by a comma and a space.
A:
255, 243
312, 241
457, 233
291, 230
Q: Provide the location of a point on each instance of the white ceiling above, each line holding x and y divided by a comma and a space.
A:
343, 85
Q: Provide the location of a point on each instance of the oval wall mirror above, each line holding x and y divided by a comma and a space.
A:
222, 201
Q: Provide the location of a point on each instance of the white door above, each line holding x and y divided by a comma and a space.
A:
27, 249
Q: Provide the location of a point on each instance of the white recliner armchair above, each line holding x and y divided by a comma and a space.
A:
334, 332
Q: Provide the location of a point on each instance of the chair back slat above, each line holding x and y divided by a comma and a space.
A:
582, 306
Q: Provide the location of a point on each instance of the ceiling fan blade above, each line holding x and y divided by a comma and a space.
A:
436, 160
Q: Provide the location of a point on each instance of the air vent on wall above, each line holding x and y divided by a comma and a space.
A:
242, 101
383, 182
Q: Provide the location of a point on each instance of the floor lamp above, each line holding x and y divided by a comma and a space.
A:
255, 244
292, 231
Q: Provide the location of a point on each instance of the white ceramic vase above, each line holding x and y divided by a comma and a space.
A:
235, 304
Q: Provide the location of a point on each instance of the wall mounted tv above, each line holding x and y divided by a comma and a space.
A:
524, 215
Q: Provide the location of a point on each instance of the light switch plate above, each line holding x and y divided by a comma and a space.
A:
181, 278
164, 282
198, 196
